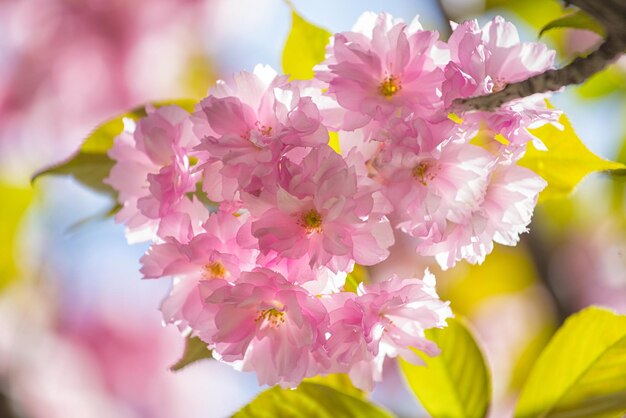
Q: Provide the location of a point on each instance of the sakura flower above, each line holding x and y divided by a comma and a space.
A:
316, 280
487, 60
214, 254
382, 67
430, 189
268, 325
248, 123
385, 320
261, 280
153, 172
503, 214
320, 214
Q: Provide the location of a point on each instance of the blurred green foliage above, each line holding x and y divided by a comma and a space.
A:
305, 48
17, 201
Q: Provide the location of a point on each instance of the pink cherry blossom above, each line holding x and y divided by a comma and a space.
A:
248, 123
321, 215
153, 172
211, 255
268, 325
503, 214
380, 68
431, 189
487, 60
262, 279
384, 320
316, 280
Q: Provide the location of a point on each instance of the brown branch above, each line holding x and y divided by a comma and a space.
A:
611, 14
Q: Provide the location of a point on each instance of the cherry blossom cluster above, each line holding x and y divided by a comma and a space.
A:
259, 221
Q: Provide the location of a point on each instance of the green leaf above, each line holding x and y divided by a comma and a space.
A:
576, 20
309, 400
305, 48
608, 81
338, 381
582, 371
358, 275
91, 164
11, 213
566, 162
333, 142
195, 350
455, 383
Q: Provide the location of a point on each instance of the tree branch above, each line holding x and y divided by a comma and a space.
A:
611, 14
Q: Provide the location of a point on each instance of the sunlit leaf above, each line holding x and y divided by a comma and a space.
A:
333, 141
566, 162
16, 201
309, 400
582, 371
610, 80
305, 48
357, 276
536, 12
576, 20
87, 168
455, 383
195, 350
91, 164
338, 381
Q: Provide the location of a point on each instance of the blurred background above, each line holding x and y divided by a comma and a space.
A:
81, 334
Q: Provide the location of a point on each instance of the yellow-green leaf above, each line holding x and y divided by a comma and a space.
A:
576, 20
305, 48
309, 400
195, 350
582, 371
455, 383
358, 275
338, 381
333, 141
91, 164
16, 201
608, 81
566, 162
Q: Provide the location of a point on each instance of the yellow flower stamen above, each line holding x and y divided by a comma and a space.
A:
311, 221
215, 270
271, 316
390, 86
424, 172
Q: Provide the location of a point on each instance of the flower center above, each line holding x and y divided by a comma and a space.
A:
214, 270
424, 172
390, 86
311, 221
260, 136
271, 316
